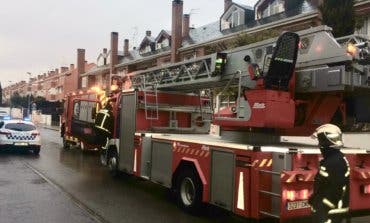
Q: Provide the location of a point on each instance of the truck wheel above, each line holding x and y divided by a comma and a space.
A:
66, 144
113, 163
103, 157
189, 191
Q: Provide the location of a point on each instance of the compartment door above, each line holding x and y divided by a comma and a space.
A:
127, 132
222, 187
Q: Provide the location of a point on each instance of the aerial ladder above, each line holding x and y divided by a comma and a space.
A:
328, 80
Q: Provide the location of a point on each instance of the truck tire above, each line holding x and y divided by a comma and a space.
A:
66, 144
103, 158
112, 163
189, 190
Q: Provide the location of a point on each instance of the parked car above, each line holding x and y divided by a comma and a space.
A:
19, 134
4, 113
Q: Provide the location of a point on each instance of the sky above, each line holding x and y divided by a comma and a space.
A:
40, 35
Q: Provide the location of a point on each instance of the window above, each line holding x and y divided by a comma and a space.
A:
364, 28
21, 127
165, 43
84, 82
235, 18
274, 7
147, 49
83, 111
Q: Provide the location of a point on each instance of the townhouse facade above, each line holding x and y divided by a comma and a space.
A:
267, 18
52, 85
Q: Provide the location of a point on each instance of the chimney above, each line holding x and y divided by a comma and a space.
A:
227, 4
114, 52
63, 69
80, 66
125, 48
80, 61
105, 51
186, 26
71, 67
176, 36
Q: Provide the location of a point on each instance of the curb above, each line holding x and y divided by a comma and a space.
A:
49, 127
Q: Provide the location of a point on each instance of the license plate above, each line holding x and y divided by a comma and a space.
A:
297, 205
21, 144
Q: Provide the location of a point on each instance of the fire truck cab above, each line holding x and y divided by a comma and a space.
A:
77, 127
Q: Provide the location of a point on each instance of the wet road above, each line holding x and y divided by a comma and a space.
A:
88, 193
25, 196
122, 199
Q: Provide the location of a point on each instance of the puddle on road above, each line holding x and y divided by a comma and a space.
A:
38, 181
4, 182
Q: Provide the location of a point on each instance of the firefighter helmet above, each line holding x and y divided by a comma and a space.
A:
328, 135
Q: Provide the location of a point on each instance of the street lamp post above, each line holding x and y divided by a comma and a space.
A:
28, 96
10, 93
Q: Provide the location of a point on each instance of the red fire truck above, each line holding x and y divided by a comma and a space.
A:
180, 127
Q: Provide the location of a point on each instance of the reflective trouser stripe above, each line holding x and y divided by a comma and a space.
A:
104, 129
328, 203
340, 204
106, 144
106, 115
339, 211
104, 111
324, 173
347, 173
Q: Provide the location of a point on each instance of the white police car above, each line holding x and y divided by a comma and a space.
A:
19, 134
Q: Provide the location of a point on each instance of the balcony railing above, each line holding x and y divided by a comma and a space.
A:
272, 18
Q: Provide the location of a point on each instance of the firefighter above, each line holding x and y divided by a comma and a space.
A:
220, 63
330, 198
104, 124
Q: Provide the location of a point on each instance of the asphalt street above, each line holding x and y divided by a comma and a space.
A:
71, 186
25, 196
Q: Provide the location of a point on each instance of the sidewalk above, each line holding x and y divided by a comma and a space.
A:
51, 127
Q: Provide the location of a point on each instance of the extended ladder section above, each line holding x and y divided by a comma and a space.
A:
206, 106
150, 100
322, 66
199, 73
320, 60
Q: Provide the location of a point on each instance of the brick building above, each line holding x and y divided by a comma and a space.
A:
52, 85
181, 43
184, 42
